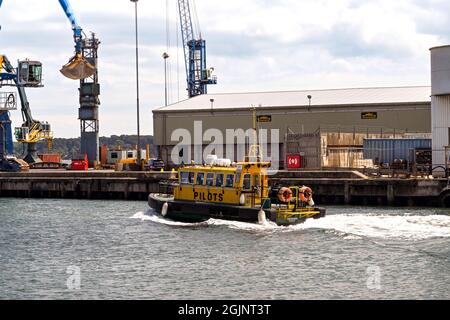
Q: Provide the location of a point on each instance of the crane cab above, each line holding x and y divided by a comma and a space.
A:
21, 133
29, 73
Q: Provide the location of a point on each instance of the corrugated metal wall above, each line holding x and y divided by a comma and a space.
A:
441, 124
306, 145
387, 150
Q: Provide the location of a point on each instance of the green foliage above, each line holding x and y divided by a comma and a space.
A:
70, 147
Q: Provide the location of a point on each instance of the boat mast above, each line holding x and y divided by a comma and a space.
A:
255, 149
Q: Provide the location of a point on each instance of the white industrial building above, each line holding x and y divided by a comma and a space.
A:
440, 103
385, 112
388, 112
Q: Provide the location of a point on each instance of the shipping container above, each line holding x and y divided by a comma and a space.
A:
103, 155
389, 150
50, 158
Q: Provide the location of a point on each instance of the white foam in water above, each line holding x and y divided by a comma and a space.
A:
268, 226
383, 226
153, 217
351, 226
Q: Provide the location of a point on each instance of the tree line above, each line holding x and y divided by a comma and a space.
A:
70, 147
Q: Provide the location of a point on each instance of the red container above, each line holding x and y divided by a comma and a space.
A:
50, 158
294, 162
103, 154
80, 164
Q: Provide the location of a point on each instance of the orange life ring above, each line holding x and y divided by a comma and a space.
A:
285, 195
305, 194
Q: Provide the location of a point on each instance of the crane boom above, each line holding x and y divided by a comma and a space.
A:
198, 76
187, 31
77, 30
78, 67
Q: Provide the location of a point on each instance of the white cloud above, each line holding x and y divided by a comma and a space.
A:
253, 45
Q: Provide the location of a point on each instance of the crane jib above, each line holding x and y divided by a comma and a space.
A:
70, 14
198, 76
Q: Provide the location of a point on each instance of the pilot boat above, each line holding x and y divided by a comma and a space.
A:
220, 189
237, 192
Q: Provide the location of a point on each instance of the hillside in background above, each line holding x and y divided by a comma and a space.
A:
69, 147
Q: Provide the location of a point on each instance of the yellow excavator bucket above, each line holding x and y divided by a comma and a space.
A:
78, 68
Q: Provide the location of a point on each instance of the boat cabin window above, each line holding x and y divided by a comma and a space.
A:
200, 178
210, 179
184, 177
257, 180
247, 185
191, 177
219, 180
230, 181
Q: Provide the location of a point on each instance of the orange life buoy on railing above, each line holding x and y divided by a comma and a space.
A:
285, 195
305, 194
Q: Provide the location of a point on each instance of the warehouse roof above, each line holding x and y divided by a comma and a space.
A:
333, 97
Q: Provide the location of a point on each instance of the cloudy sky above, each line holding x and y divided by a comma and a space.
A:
254, 45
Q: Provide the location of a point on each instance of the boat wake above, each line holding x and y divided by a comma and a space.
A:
383, 226
349, 226
153, 217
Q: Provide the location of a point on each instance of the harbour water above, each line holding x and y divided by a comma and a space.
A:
71, 249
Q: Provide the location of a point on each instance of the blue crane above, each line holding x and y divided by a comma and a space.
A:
83, 67
198, 76
27, 74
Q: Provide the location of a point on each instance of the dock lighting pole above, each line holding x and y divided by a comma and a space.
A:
165, 57
137, 84
309, 98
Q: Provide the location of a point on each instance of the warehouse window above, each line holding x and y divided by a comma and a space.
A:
114, 155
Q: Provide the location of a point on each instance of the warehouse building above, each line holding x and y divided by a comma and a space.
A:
336, 118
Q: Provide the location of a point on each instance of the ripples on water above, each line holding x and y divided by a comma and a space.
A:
126, 251
405, 226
